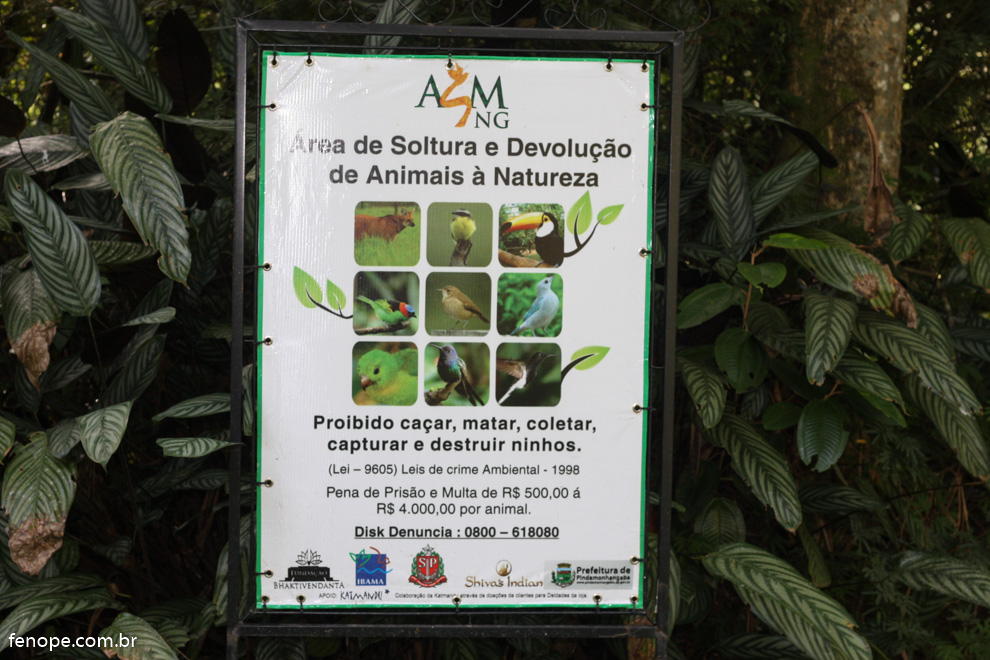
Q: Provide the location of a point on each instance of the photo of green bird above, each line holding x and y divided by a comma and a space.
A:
385, 378
460, 370
392, 312
386, 303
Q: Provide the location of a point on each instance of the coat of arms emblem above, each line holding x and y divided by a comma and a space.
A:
427, 568
562, 577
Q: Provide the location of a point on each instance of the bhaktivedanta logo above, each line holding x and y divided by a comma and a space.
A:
309, 569
470, 102
427, 568
369, 569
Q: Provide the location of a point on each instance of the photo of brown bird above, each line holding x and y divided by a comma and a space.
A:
459, 307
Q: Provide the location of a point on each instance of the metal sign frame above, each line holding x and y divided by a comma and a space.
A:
665, 49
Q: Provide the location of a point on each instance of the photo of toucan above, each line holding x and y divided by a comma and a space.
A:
549, 242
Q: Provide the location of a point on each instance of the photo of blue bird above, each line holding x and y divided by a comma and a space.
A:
529, 303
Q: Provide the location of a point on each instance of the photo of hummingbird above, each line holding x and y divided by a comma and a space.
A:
387, 379
522, 372
542, 311
392, 312
454, 371
459, 307
462, 226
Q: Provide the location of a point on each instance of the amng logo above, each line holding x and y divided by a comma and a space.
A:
486, 118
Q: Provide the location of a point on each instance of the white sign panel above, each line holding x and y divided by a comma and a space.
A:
458, 309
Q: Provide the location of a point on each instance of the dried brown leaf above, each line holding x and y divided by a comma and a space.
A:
31, 348
878, 215
33, 543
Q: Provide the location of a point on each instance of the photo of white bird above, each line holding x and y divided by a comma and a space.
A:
539, 299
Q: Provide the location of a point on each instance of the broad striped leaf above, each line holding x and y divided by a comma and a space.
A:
123, 19
85, 95
281, 648
707, 302
829, 499
907, 236
817, 566
58, 249
849, 269
93, 181
721, 522
248, 395
761, 466
947, 575
807, 219
62, 373
117, 551
35, 611
114, 54
820, 433
25, 301
960, 431
674, 594
220, 583
43, 153
62, 583
191, 447
697, 596
971, 340
764, 317
38, 490
827, 330
910, 351
931, 325
7, 220
102, 431
760, 647
789, 241
63, 437
867, 376
771, 188
707, 390
130, 153
970, 239
786, 600
144, 642
120, 253
163, 315
205, 480
138, 372
200, 406
223, 125
7, 434
728, 193
742, 358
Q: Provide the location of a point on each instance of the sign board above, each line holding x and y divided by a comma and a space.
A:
455, 306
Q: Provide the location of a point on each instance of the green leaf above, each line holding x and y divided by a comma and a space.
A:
7, 434
306, 287
866, 376
102, 431
971, 340
721, 522
281, 648
120, 253
609, 214
93, 103
819, 625
163, 315
336, 298
63, 437
764, 318
43, 153
706, 388
970, 240
827, 330
889, 410
931, 325
35, 611
96, 181
907, 236
769, 273
138, 373
245, 540
790, 241
249, 392
728, 194
908, 350
200, 406
58, 249
157, 297
143, 641
123, 18
38, 490
54, 585
742, 358
771, 188
946, 575
806, 219
760, 647
779, 416
115, 55
130, 153
761, 466
117, 552
706, 303
191, 447
958, 429
829, 499
205, 480
820, 433
817, 566
597, 354
580, 213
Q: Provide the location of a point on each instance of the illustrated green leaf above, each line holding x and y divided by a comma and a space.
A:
820, 433
970, 240
908, 350
907, 236
790, 241
59, 584
596, 353
43, 153
38, 490
761, 466
827, 330
830, 499
102, 431
779, 416
336, 298
580, 213
163, 315
130, 153
706, 303
200, 406
137, 373
706, 388
191, 447
783, 598
116, 56
728, 194
142, 641
609, 214
742, 358
752, 646
93, 103
306, 287
58, 249
971, 340
35, 611
959, 430
771, 188
123, 19
721, 522
953, 577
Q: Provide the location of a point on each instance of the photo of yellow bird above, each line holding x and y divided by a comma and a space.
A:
459, 307
462, 226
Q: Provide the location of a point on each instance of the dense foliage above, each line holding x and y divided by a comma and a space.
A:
831, 453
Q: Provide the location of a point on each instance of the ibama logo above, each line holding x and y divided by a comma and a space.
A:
478, 101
